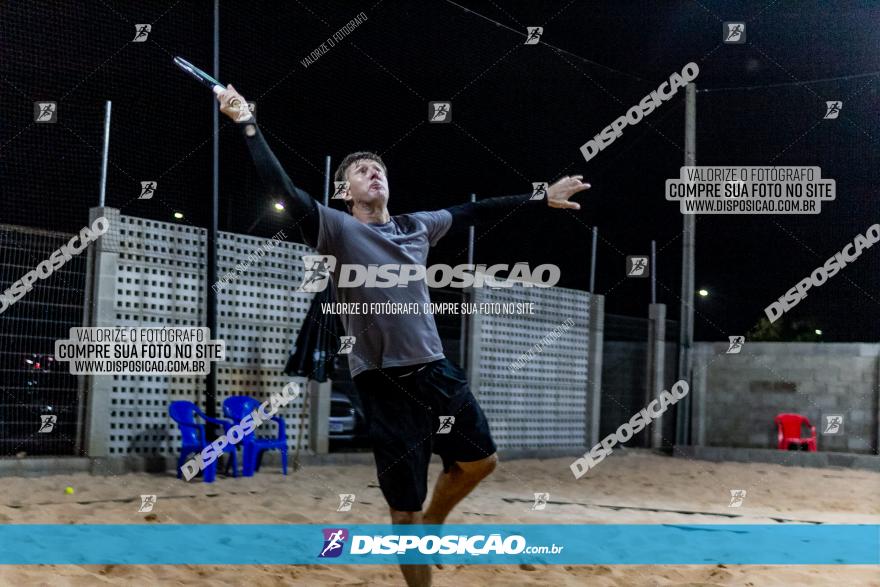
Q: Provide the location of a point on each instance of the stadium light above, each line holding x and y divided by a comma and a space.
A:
703, 293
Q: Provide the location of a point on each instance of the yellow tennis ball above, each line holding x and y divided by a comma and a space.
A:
68, 490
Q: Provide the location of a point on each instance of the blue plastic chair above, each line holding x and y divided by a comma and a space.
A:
253, 447
193, 437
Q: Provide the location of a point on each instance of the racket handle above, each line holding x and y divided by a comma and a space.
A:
218, 89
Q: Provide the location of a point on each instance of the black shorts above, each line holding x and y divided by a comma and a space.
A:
408, 410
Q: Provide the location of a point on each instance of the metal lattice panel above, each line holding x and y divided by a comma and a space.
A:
161, 280
542, 403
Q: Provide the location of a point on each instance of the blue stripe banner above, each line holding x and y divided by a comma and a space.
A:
293, 544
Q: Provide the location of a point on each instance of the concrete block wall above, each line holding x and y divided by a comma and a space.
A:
151, 273
542, 403
624, 382
738, 395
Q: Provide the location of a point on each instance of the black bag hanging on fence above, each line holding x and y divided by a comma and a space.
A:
317, 343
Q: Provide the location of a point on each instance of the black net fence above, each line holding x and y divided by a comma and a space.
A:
40, 401
746, 262
324, 86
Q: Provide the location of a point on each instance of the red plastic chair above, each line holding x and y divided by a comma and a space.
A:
788, 427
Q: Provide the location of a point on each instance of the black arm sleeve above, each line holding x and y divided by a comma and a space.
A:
491, 209
301, 205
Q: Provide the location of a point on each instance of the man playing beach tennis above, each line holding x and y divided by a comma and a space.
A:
408, 388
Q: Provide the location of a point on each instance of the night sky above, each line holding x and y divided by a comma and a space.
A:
520, 114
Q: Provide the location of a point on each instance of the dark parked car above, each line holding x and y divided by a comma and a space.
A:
346, 420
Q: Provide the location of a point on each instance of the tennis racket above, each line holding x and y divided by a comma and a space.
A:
203, 78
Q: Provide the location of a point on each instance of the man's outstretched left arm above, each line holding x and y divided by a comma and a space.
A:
494, 209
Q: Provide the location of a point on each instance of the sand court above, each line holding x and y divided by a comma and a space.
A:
632, 487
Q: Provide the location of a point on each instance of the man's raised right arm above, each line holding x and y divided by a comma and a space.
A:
303, 208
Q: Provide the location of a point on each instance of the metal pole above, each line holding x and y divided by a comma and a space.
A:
105, 154
653, 272
90, 309
471, 237
464, 297
326, 180
211, 318
656, 366
686, 332
593, 260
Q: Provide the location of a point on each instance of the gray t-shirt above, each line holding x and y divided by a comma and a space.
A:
385, 340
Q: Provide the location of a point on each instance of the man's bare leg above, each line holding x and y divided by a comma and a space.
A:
454, 485
450, 489
415, 575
